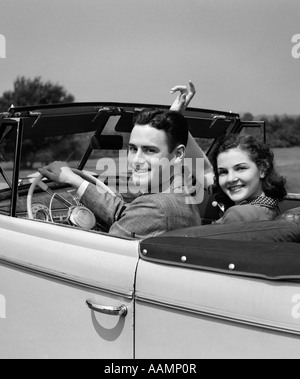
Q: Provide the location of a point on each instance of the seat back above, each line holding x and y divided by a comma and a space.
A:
292, 215
208, 212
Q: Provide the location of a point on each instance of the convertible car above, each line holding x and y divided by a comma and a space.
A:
68, 289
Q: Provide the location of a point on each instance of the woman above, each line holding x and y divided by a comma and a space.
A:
246, 180
247, 186
193, 150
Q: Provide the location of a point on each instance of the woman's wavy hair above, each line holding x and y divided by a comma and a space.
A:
274, 185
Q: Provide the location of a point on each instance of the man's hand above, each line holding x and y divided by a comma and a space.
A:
60, 173
184, 98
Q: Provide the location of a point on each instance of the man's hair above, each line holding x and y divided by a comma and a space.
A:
172, 123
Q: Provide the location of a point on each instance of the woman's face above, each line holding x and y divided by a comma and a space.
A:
239, 176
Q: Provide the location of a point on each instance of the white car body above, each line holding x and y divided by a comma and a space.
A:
175, 310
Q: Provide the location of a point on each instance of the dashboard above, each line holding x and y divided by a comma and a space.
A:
48, 208
42, 212
41, 203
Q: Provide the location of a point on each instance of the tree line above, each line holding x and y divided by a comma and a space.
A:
37, 92
282, 131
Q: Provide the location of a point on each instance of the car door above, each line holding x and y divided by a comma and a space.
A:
54, 283
186, 310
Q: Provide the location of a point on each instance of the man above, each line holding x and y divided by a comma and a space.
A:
156, 151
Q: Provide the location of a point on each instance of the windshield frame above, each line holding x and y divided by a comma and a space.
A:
17, 164
16, 125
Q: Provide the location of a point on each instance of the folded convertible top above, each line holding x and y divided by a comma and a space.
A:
267, 260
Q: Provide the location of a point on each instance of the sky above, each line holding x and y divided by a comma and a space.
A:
237, 52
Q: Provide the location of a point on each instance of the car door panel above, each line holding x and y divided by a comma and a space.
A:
189, 313
47, 273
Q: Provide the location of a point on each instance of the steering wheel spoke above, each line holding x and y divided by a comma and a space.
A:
78, 215
49, 191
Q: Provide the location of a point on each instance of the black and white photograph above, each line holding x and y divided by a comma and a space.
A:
149, 182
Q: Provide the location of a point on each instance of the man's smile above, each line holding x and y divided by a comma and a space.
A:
139, 170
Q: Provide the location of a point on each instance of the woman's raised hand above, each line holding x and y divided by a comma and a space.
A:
184, 97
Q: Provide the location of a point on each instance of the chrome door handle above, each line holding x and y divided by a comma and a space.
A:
113, 311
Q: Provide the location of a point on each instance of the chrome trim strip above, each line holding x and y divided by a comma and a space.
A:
216, 316
64, 278
292, 196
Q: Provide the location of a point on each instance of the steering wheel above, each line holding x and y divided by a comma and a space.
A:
73, 211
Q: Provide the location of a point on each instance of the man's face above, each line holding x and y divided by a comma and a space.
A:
149, 159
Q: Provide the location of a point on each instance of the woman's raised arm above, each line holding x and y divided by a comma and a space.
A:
193, 150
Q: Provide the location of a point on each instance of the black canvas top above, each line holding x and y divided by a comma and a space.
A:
267, 260
64, 119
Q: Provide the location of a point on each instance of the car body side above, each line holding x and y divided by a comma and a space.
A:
48, 272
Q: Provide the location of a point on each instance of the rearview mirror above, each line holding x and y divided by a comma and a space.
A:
107, 142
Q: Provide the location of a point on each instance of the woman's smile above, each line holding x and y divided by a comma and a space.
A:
239, 176
236, 188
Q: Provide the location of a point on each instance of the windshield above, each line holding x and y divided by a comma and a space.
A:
75, 150
6, 174
40, 152
7, 156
